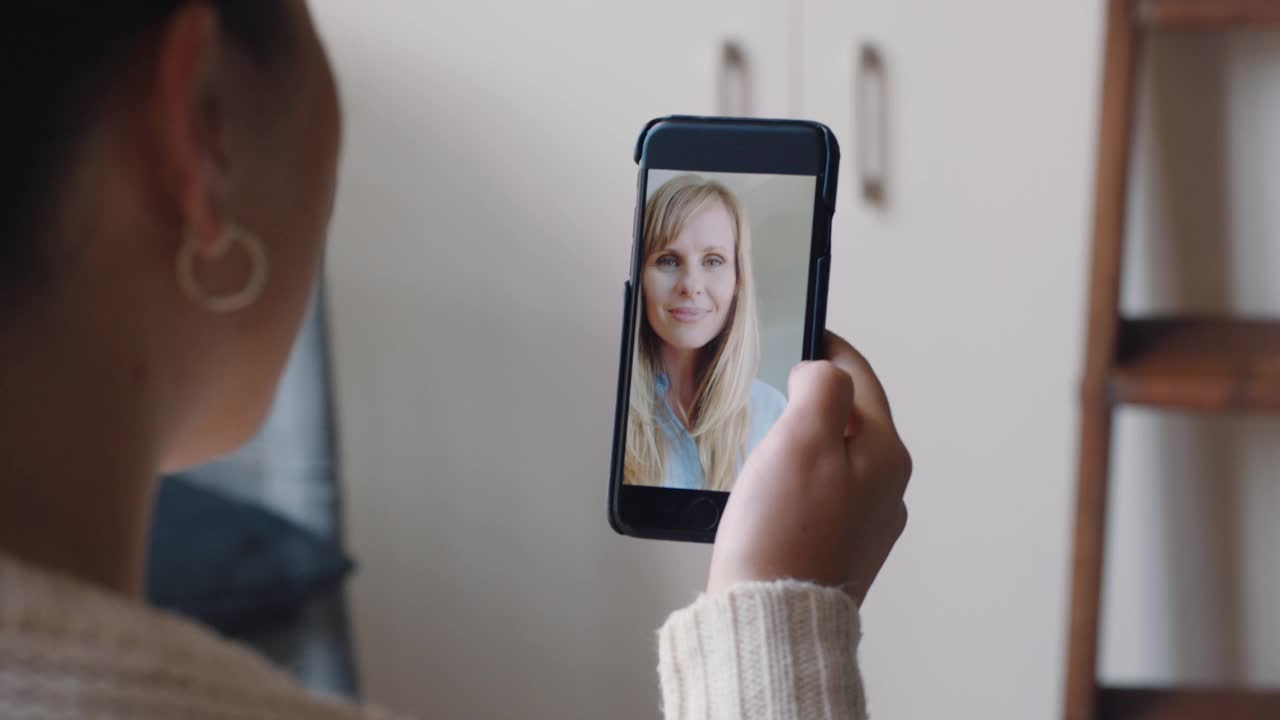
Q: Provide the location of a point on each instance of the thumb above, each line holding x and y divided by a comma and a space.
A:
820, 399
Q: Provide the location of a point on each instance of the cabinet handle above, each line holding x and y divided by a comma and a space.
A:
870, 112
733, 91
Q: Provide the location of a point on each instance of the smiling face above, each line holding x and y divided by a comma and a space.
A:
690, 285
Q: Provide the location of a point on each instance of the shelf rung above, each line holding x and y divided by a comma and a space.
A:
1211, 365
1152, 704
1208, 14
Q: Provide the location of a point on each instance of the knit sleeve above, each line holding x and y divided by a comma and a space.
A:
773, 651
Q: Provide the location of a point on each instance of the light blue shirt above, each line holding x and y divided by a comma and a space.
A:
684, 468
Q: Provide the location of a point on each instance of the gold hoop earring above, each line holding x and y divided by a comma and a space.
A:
234, 236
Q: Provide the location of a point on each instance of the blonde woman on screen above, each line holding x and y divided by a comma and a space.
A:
697, 408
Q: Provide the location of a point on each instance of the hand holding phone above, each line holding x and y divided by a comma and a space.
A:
814, 502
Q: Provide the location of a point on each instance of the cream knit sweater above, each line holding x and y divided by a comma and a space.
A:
781, 651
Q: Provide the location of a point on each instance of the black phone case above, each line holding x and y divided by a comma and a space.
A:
709, 145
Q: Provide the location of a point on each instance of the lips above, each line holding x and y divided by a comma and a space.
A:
686, 314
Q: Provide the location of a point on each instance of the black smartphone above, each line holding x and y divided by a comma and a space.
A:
728, 291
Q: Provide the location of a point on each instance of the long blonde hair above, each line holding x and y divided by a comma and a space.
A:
719, 419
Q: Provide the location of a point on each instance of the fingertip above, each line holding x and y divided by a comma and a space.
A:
822, 390
796, 371
836, 343
825, 376
871, 395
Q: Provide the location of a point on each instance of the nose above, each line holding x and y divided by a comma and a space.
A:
690, 283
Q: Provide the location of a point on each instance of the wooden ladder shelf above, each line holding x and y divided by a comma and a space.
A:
1195, 364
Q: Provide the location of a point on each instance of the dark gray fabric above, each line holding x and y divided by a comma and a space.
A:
236, 566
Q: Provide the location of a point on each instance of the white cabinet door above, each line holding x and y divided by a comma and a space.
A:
966, 290
477, 263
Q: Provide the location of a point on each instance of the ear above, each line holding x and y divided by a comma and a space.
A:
189, 121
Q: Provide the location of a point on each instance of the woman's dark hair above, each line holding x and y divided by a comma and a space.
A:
59, 60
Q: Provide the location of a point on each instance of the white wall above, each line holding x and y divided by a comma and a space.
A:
781, 229
477, 262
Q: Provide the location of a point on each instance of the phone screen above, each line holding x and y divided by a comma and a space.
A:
723, 272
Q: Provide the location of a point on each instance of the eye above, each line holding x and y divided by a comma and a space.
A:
713, 261
666, 261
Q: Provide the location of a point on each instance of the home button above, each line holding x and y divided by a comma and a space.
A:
701, 514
